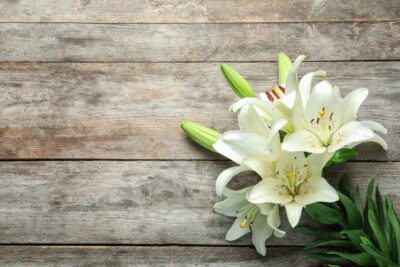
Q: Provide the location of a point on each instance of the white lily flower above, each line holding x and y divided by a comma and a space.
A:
260, 219
328, 122
295, 181
279, 104
250, 147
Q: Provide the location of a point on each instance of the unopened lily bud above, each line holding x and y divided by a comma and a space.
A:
202, 135
284, 65
238, 84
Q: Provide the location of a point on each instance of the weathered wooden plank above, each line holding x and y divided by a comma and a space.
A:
140, 202
148, 256
136, 11
198, 42
133, 111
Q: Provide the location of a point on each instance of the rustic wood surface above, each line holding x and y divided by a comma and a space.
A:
135, 202
45, 256
133, 110
198, 42
94, 170
203, 11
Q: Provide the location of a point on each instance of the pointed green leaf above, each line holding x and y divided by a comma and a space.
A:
320, 234
329, 243
355, 236
379, 234
357, 200
395, 226
344, 186
238, 84
354, 218
370, 187
379, 201
323, 214
284, 66
378, 256
362, 259
202, 135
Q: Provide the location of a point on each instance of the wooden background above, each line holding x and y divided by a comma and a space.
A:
94, 168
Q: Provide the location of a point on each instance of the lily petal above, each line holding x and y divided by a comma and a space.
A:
265, 208
316, 189
252, 120
273, 139
323, 110
293, 212
303, 141
260, 165
351, 132
305, 85
226, 176
235, 205
238, 146
351, 103
274, 222
261, 231
290, 161
270, 190
376, 139
236, 231
316, 162
374, 126
266, 106
292, 81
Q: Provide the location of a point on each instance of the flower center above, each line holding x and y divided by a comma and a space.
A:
249, 217
293, 178
276, 92
321, 113
323, 125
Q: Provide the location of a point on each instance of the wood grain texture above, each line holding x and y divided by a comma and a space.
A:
140, 202
171, 11
198, 42
118, 256
133, 111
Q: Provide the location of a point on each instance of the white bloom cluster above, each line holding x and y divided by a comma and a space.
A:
314, 122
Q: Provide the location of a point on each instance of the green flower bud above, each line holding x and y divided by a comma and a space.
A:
238, 84
284, 66
203, 136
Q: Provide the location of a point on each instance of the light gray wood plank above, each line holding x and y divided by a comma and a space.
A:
83, 256
133, 111
172, 11
139, 202
198, 42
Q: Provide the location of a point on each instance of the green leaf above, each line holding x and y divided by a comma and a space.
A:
238, 84
320, 234
284, 66
343, 155
354, 218
344, 186
355, 236
378, 256
329, 243
395, 226
379, 234
379, 201
323, 214
202, 135
357, 200
370, 187
362, 259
